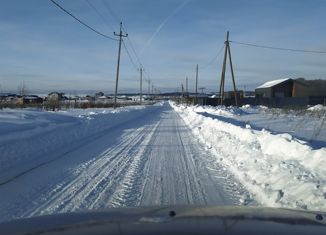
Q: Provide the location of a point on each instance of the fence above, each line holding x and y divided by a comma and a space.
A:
270, 102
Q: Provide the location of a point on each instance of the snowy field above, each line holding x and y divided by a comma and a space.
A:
278, 155
163, 154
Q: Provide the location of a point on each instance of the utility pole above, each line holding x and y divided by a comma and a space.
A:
149, 85
120, 35
222, 82
141, 85
196, 83
187, 94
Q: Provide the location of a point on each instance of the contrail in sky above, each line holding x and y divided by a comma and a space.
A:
158, 29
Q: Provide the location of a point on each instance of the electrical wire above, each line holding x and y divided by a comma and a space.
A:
278, 48
136, 55
108, 7
130, 58
148, 76
100, 15
132, 47
81, 22
214, 58
114, 16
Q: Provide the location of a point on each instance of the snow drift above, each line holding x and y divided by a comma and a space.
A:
278, 169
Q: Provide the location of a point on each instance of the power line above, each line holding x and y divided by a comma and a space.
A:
108, 7
123, 27
133, 49
278, 48
136, 55
148, 76
115, 17
130, 58
101, 15
81, 22
214, 58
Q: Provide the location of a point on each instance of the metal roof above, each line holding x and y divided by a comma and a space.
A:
273, 83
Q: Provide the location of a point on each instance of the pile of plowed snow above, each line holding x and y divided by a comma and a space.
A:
278, 169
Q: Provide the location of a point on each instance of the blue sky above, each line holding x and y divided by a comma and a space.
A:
48, 50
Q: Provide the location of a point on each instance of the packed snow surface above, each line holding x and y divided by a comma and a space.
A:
277, 168
163, 154
53, 162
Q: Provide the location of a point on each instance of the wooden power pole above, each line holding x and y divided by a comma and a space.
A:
149, 87
187, 94
222, 82
141, 85
120, 35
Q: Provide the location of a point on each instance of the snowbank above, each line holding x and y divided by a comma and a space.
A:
278, 169
308, 125
317, 107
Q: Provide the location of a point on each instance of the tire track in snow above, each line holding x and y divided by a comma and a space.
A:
101, 176
177, 169
157, 163
129, 189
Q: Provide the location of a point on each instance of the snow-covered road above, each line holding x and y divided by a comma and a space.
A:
151, 159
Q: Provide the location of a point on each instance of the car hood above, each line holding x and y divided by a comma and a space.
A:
173, 220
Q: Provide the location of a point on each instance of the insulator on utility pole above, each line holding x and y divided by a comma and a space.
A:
120, 35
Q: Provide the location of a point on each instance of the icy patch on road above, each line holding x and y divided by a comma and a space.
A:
278, 169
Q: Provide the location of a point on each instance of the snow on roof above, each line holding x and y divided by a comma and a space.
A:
31, 97
273, 83
102, 97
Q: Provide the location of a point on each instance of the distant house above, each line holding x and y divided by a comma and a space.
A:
7, 97
55, 96
32, 99
282, 88
124, 97
99, 94
103, 99
89, 98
